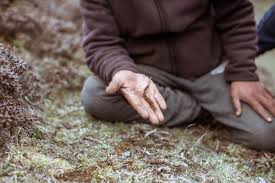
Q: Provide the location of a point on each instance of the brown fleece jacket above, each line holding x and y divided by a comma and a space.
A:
187, 38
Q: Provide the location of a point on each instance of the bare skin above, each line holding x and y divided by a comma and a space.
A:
143, 95
255, 95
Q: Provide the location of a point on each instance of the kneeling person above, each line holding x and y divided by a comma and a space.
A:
168, 63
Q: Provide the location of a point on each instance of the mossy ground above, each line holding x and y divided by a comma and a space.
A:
70, 146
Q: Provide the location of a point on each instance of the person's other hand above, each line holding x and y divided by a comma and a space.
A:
141, 93
255, 95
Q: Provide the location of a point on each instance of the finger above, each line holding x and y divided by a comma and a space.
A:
268, 102
136, 102
258, 107
113, 87
149, 96
237, 104
152, 116
152, 104
156, 109
273, 107
271, 97
159, 98
269, 93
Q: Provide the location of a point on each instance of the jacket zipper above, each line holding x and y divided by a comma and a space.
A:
164, 29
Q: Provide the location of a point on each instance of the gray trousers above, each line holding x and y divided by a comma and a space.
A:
185, 100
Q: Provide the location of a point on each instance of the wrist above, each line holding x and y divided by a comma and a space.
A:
123, 74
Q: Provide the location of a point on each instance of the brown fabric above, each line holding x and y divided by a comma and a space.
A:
186, 38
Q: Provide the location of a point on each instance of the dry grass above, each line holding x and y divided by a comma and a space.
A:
19, 92
70, 146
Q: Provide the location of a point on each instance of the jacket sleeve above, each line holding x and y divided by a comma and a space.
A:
103, 46
236, 23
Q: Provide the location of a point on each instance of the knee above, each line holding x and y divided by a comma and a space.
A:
94, 98
263, 138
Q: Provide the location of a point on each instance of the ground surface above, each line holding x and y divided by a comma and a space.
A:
71, 146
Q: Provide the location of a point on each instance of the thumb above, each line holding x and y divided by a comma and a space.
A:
113, 87
237, 104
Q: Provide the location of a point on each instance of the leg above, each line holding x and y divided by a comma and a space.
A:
182, 108
266, 31
250, 129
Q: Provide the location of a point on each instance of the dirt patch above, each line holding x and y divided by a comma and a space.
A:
79, 175
154, 140
86, 174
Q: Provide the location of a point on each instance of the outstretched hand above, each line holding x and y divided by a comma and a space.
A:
255, 95
141, 93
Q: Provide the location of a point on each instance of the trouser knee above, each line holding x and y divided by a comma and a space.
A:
94, 98
262, 138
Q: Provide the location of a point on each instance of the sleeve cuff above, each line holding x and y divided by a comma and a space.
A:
241, 76
129, 66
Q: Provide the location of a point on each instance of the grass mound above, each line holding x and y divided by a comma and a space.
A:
19, 92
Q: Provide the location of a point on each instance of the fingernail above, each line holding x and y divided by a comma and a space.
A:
155, 122
269, 119
238, 114
161, 117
